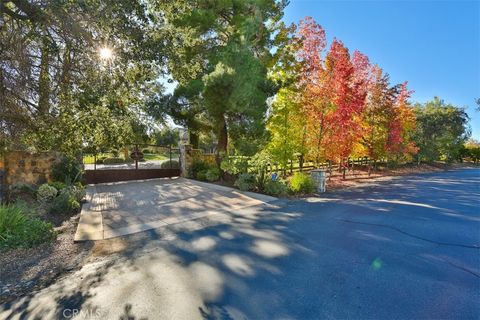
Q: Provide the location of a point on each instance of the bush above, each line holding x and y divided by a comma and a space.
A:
302, 183
46, 193
275, 188
78, 192
115, 153
20, 229
22, 191
57, 185
201, 175
100, 160
66, 203
174, 164
234, 164
68, 170
113, 160
212, 174
199, 169
246, 182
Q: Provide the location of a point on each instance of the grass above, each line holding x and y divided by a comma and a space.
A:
154, 156
90, 159
19, 228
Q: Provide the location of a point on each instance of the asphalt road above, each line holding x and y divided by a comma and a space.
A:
407, 249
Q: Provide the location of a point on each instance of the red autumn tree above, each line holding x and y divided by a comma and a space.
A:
349, 79
401, 126
378, 114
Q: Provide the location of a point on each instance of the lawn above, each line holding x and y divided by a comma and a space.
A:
154, 156
90, 159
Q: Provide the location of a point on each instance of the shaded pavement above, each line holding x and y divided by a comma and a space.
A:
405, 249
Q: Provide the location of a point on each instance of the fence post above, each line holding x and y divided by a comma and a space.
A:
3, 183
136, 157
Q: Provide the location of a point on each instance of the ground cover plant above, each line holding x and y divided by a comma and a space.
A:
21, 228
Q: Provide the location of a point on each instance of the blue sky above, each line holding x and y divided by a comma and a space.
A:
434, 45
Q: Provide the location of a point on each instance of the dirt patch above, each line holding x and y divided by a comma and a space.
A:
360, 177
107, 247
26, 270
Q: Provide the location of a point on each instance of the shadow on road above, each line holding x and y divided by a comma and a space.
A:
407, 249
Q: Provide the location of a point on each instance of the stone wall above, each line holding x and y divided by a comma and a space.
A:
21, 167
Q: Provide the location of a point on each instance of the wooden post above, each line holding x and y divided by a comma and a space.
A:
136, 157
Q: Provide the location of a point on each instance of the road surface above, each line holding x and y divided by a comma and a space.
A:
407, 249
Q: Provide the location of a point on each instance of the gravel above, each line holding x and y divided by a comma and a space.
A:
25, 270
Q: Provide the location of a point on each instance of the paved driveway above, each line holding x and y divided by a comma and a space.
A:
122, 208
408, 249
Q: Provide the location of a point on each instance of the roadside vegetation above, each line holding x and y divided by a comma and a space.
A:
34, 211
20, 228
271, 101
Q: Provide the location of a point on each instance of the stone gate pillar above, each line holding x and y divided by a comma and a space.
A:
185, 159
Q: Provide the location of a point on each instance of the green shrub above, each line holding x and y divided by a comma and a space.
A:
78, 192
68, 170
57, 185
174, 164
22, 191
66, 203
114, 160
46, 193
199, 167
115, 153
302, 183
245, 182
100, 160
212, 174
234, 164
275, 188
23, 188
201, 175
20, 229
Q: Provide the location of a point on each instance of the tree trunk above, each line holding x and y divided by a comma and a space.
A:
222, 137
44, 81
194, 139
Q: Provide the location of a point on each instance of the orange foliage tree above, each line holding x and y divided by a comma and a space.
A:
348, 105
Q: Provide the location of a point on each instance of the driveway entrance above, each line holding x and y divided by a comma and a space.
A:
117, 209
135, 162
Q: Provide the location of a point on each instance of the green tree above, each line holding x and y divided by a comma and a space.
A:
441, 131
185, 107
472, 150
222, 50
286, 122
166, 137
52, 82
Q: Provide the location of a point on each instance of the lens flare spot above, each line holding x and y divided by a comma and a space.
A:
377, 264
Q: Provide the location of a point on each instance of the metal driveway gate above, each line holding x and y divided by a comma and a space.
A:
135, 162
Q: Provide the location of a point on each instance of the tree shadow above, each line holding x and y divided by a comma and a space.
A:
298, 260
